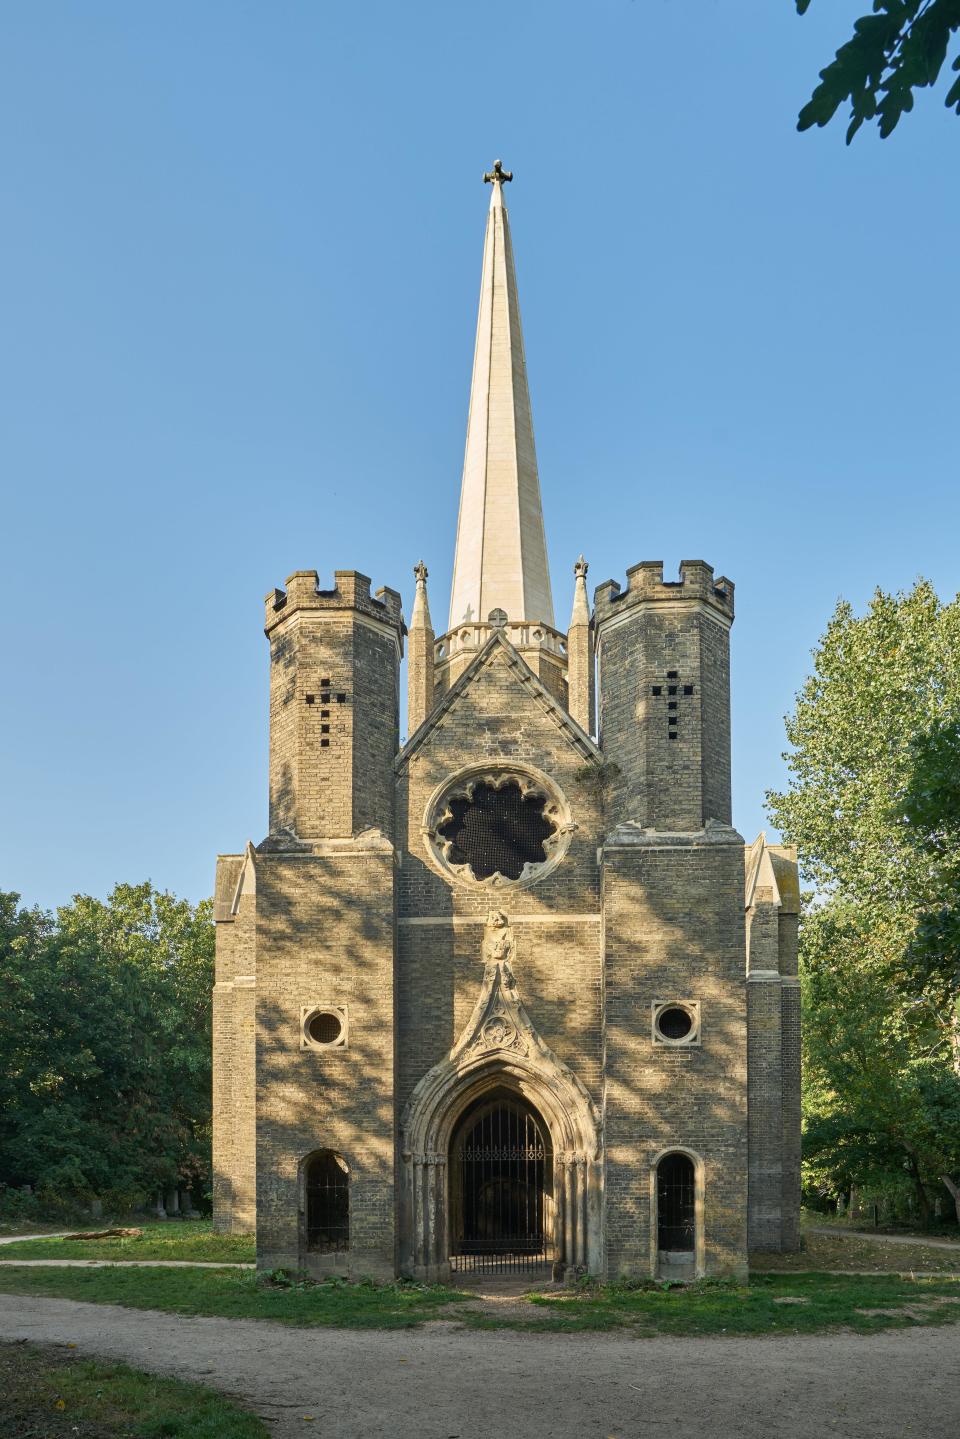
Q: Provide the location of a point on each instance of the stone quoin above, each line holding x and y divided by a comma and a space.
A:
513, 995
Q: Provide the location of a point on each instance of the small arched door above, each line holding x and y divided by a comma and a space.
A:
676, 1205
501, 1177
327, 1203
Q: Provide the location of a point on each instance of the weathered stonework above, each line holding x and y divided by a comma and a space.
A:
526, 985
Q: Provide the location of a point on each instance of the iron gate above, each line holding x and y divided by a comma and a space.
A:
500, 1172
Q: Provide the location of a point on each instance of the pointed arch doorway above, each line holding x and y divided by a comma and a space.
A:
522, 1202
500, 1171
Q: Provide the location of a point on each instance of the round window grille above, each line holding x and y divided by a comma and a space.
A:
497, 830
674, 1023
495, 826
325, 1028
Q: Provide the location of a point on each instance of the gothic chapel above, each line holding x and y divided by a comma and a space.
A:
515, 996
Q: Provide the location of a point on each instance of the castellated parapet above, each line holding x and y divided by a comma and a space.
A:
645, 582
351, 590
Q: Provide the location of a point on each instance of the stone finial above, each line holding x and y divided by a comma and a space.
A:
581, 604
420, 618
497, 618
420, 670
580, 656
498, 175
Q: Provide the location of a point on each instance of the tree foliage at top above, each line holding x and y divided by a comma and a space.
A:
863, 739
105, 1044
874, 806
898, 48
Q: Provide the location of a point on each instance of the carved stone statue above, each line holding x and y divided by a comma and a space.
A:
499, 946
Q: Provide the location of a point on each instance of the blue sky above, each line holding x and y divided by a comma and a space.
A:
241, 257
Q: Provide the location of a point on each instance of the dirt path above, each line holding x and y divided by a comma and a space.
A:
17, 1238
124, 1263
440, 1382
918, 1240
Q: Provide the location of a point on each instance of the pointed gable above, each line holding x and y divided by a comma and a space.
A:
499, 651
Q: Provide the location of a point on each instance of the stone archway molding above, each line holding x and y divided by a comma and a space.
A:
499, 1048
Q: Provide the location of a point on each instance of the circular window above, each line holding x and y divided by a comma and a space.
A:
672, 1023
498, 827
676, 1023
325, 1028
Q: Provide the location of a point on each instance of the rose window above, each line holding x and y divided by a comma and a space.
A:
496, 827
497, 831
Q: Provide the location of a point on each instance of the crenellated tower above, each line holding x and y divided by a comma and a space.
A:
664, 660
334, 705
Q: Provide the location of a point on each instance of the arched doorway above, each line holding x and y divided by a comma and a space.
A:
501, 1186
327, 1193
676, 1215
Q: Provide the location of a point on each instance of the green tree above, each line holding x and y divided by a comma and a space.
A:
898, 48
881, 1100
880, 683
105, 1044
874, 806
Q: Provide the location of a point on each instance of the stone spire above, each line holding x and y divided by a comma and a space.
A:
420, 662
501, 555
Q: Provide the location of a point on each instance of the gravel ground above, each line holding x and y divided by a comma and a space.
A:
441, 1382
16, 1238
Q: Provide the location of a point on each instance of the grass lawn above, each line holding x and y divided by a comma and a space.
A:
184, 1239
48, 1393
236, 1295
769, 1304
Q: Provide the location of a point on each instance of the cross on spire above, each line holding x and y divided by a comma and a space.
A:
498, 174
